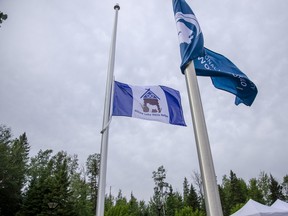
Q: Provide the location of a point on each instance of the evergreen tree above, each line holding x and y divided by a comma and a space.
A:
133, 208
275, 190
160, 191
121, 206
80, 193
61, 191
185, 211
193, 199
143, 209
120, 200
199, 191
254, 191
185, 191
238, 190
19, 165
118, 210
263, 182
234, 192
14, 158
236, 208
5, 169
50, 183
174, 202
188, 211
109, 201
40, 172
93, 170
285, 188
224, 197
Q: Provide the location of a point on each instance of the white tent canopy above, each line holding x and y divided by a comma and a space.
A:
279, 204
253, 208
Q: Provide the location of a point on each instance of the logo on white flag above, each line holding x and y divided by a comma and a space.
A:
150, 102
156, 103
186, 34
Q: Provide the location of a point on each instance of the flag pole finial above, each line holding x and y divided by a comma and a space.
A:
117, 7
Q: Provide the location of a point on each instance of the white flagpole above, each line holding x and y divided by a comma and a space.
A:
211, 192
106, 120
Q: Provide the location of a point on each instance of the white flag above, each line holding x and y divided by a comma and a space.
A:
155, 103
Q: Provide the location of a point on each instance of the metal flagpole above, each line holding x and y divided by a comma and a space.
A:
106, 121
212, 197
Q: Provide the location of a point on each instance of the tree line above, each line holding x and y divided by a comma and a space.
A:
55, 184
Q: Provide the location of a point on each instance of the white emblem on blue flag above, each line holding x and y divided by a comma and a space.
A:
186, 34
190, 36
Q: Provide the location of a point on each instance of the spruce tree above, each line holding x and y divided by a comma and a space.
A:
193, 199
263, 182
185, 191
14, 159
254, 191
93, 170
275, 190
174, 202
285, 187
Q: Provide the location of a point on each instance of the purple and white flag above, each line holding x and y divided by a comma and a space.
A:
154, 103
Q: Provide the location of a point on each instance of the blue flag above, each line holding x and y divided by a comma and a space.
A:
155, 103
189, 33
226, 76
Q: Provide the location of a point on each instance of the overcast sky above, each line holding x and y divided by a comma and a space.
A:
53, 67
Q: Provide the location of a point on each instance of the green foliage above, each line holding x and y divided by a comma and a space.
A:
160, 191
173, 203
263, 184
285, 188
185, 191
188, 211
237, 207
190, 196
13, 169
133, 207
193, 199
50, 182
122, 207
118, 210
254, 191
275, 191
28, 186
109, 202
233, 192
93, 170
80, 192
199, 191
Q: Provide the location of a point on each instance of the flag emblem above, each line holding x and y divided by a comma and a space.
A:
150, 102
183, 24
190, 36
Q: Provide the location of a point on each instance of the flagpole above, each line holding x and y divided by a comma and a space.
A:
106, 120
211, 192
